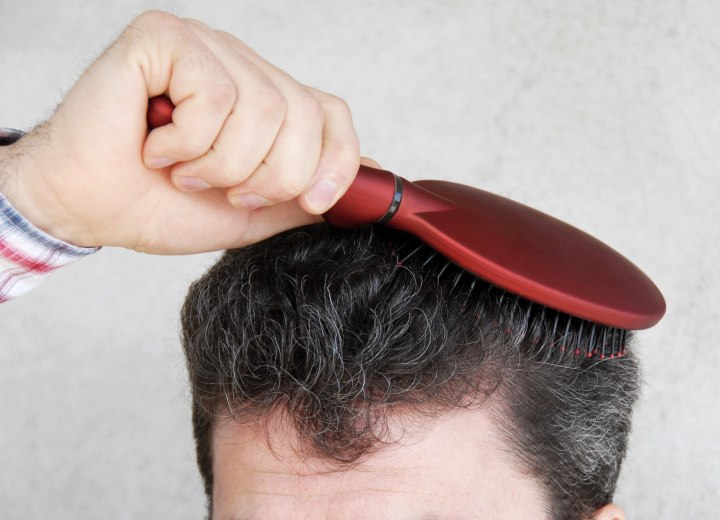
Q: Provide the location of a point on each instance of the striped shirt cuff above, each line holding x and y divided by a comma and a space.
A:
27, 254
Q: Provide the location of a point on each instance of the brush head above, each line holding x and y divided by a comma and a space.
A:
513, 246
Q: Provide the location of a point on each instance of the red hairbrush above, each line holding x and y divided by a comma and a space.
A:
513, 246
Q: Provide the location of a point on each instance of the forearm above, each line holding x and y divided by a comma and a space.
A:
28, 254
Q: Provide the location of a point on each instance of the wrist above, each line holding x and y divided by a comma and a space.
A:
23, 167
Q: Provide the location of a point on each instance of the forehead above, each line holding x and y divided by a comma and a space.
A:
454, 467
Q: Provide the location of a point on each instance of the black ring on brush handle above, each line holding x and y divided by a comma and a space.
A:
395, 204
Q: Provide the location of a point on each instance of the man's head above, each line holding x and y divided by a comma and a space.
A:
330, 380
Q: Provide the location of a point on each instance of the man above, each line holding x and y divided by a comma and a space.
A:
334, 375
352, 374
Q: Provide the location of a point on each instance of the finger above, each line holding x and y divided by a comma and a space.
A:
292, 160
339, 158
249, 131
176, 62
367, 161
271, 220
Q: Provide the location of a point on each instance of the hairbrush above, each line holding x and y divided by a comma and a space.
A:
513, 246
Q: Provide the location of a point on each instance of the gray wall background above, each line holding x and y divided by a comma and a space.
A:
606, 114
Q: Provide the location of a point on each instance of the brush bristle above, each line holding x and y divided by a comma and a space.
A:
547, 329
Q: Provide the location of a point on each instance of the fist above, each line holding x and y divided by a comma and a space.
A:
250, 151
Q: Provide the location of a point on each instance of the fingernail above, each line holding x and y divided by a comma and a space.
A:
248, 200
321, 195
158, 162
190, 183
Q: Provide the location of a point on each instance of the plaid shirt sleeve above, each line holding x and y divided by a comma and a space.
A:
27, 254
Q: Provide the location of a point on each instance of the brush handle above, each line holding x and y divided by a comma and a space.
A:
373, 196
159, 112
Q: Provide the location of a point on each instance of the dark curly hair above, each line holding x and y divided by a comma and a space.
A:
331, 328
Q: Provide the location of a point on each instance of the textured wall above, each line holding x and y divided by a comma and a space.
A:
606, 114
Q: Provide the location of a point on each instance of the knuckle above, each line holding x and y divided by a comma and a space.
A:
270, 104
190, 143
224, 34
221, 96
196, 23
345, 159
154, 18
228, 176
311, 110
192, 147
336, 103
289, 187
231, 38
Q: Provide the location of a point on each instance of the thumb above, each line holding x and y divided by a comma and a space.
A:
270, 220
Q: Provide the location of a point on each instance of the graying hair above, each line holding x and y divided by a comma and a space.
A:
335, 331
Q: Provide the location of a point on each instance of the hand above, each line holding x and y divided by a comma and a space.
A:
244, 135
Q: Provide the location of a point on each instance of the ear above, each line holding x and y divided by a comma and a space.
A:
609, 512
